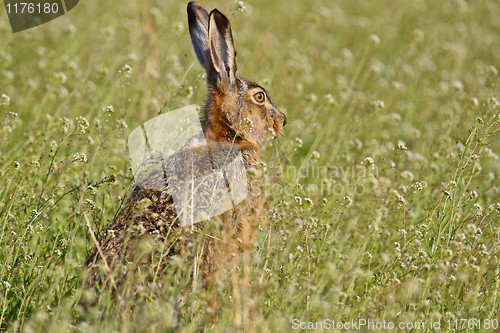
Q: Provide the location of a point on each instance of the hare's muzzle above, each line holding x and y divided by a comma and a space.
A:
279, 122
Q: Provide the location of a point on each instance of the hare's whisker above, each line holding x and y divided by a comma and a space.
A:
278, 153
287, 159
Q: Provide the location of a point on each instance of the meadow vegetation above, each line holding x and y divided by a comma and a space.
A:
381, 199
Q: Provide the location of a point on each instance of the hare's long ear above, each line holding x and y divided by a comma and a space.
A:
198, 29
222, 52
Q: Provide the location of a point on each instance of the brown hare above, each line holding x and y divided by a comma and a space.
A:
238, 113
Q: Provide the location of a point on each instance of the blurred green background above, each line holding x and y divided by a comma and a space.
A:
405, 91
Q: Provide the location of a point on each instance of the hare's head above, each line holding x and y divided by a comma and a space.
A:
237, 109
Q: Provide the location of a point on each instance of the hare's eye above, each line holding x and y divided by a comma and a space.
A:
259, 97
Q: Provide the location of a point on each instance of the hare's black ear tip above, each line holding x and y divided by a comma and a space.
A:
192, 5
219, 18
215, 12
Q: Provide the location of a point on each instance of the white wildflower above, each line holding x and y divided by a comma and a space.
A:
109, 108
374, 39
4, 100
81, 157
60, 77
347, 201
378, 104
402, 145
81, 124
315, 155
298, 142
